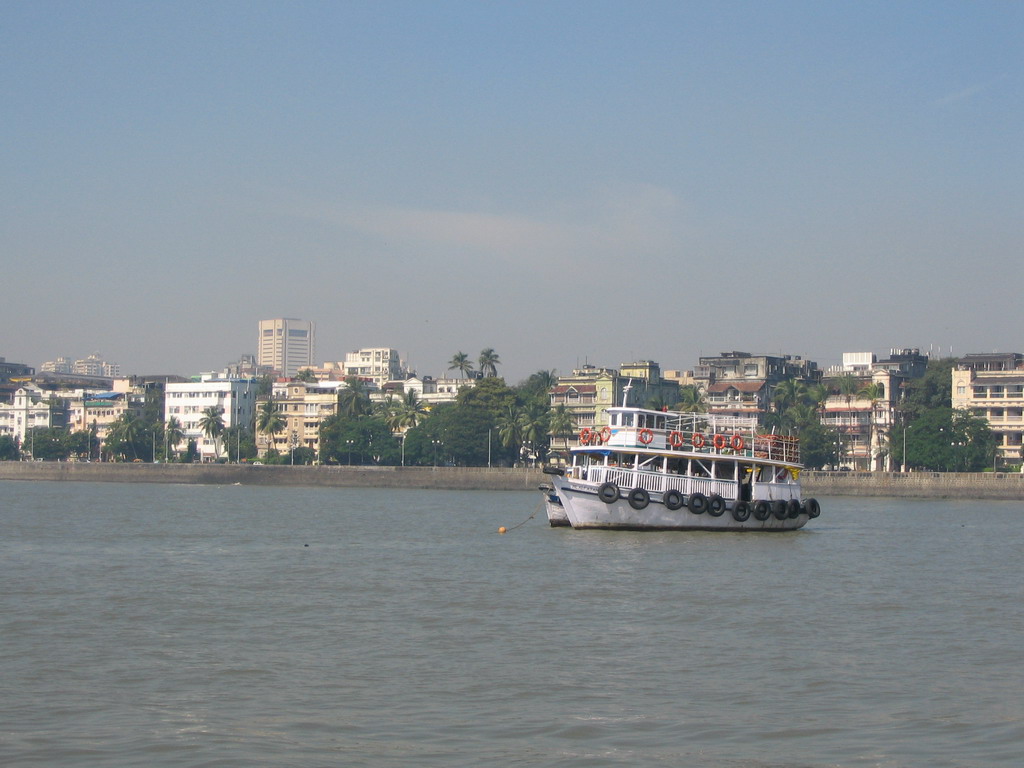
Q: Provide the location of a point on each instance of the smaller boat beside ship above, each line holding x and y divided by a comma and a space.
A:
667, 470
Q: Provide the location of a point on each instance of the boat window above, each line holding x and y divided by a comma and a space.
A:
627, 419
659, 423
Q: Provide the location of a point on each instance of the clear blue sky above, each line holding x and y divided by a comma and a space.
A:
561, 181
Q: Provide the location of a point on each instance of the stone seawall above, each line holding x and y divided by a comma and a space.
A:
451, 478
935, 485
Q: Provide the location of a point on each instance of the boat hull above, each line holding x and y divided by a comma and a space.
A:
553, 507
584, 509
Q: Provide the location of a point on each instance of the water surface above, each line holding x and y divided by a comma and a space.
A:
168, 625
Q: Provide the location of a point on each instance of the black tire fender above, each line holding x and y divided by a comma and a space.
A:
716, 505
762, 510
639, 498
793, 507
608, 493
673, 499
697, 503
740, 511
812, 508
780, 509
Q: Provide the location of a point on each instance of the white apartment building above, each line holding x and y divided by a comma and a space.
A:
434, 391
378, 365
286, 344
188, 401
29, 410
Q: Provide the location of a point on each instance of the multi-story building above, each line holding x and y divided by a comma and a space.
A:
303, 406
12, 377
60, 365
98, 409
30, 409
286, 344
992, 387
377, 365
94, 365
742, 384
434, 391
187, 402
865, 414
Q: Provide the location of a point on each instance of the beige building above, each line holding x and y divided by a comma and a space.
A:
303, 406
991, 386
285, 345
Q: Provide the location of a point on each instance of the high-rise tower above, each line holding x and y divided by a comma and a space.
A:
286, 344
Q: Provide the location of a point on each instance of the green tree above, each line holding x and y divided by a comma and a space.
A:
359, 439
212, 425
691, 400
305, 374
173, 435
353, 398
460, 362
562, 426
8, 448
125, 437
489, 362
269, 420
948, 440
48, 443
406, 413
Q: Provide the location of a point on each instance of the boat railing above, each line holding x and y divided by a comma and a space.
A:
660, 482
749, 444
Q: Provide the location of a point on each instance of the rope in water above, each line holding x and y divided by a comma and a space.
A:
533, 514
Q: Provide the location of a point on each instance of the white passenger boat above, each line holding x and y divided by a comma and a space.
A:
663, 470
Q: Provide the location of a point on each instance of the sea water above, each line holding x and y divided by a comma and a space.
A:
174, 625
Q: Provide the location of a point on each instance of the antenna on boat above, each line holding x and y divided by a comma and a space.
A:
625, 393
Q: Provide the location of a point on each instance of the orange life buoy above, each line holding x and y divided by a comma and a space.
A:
675, 439
736, 443
606, 434
645, 436
720, 441
698, 440
585, 434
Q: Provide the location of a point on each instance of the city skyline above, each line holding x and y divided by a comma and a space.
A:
563, 183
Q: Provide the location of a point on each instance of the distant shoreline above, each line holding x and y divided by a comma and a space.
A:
927, 485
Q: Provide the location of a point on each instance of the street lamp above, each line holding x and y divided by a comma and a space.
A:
435, 444
349, 444
292, 441
905, 428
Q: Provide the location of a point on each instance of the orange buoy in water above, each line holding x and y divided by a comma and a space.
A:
502, 529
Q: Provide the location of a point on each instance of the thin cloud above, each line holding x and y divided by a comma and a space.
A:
624, 220
961, 95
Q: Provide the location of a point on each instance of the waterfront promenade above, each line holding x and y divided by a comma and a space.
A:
936, 485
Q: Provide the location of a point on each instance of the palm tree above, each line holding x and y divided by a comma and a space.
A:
269, 420
124, 433
533, 427
788, 393
460, 362
489, 362
509, 428
691, 400
873, 392
353, 400
305, 374
173, 434
562, 424
212, 425
408, 412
